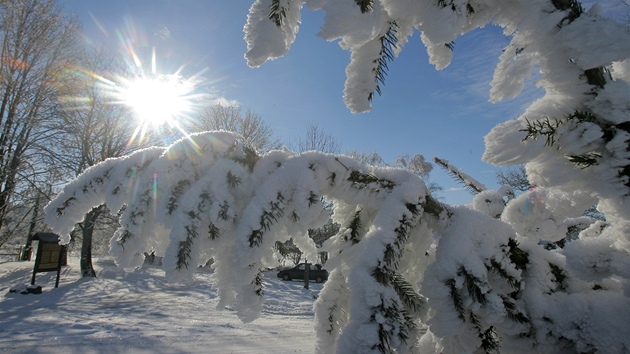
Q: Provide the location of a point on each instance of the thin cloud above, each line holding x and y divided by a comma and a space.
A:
162, 33
224, 102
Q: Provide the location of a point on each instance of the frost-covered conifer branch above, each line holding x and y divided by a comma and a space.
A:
370, 60
271, 28
122, 236
97, 185
176, 193
185, 247
455, 7
559, 276
481, 271
133, 219
247, 156
497, 267
213, 231
331, 311
232, 180
573, 49
473, 286
362, 180
184, 236
224, 209
544, 127
365, 5
396, 313
388, 49
258, 283
355, 225
517, 256
393, 251
551, 130
267, 218
603, 130
589, 159
415, 306
278, 12
471, 184
490, 273
397, 317
472, 290
458, 303
512, 310
489, 340
66, 203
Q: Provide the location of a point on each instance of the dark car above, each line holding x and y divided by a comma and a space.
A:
315, 273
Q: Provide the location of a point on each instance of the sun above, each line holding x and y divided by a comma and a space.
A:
158, 100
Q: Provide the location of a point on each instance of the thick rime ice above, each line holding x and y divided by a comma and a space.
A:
406, 271
408, 274
208, 196
581, 56
265, 39
575, 144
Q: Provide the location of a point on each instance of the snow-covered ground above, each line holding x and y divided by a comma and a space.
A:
139, 312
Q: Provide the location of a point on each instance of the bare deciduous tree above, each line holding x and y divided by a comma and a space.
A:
37, 42
250, 125
372, 158
416, 164
317, 139
516, 178
91, 129
35, 198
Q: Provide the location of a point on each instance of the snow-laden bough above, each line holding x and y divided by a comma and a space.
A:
407, 273
404, 267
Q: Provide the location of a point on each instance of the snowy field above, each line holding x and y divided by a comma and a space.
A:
139, 312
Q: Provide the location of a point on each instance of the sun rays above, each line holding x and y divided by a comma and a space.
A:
156, 100
162, 102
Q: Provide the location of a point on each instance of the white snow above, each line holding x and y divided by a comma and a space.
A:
561, 45
452, 278
398, 261
140, 312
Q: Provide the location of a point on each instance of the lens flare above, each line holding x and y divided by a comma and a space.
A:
159, 100
162, 103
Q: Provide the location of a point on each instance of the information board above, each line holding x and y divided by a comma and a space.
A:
49, 255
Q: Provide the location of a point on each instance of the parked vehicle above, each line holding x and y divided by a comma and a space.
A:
316, 273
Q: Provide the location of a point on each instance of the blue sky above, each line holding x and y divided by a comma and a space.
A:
435, 113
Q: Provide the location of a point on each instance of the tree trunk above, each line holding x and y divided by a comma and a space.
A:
28, 247
27, 250
307, 268
87, 270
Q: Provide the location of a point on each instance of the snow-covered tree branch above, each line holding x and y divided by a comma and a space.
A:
409, 274
400, 261
574, 50
208, 196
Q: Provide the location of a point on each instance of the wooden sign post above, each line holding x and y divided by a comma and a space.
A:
49, 255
